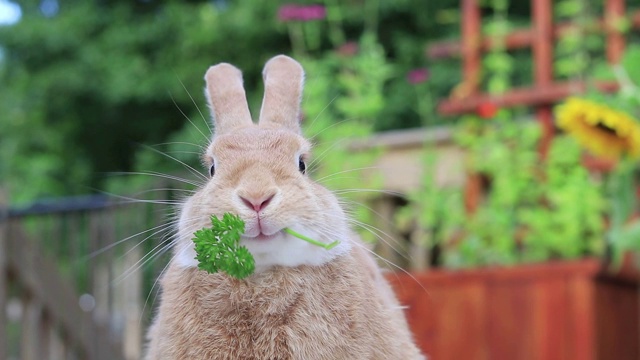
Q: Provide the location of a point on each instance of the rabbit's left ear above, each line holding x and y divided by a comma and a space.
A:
283, 82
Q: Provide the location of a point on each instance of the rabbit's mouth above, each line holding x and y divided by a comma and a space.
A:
264, 237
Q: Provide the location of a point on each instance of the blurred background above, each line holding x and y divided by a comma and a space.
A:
486, 148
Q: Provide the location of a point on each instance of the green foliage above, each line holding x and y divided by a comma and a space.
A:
84, 87
531, 210
574, 50
498, 63
342, 99
217, 247
623, 181
569, 224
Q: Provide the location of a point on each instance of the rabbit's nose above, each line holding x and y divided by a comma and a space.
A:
257, 203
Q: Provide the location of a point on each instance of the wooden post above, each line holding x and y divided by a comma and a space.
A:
543, 59
420, 249
56, 345
132, 310
30, 339
471, 40
614, 13
4, 229
45, 327
132, 335
102, 235
388, 247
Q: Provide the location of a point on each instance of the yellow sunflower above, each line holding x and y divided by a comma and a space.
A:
599, 128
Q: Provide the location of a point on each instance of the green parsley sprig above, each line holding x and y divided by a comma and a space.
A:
218, 249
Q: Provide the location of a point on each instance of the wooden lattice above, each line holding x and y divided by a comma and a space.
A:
540, 37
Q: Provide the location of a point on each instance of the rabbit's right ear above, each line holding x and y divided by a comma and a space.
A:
227, 98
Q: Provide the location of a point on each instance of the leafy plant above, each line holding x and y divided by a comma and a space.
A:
608, 126
528, 210
514, 221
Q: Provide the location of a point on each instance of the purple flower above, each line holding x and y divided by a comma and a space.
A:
292, 12
417, 76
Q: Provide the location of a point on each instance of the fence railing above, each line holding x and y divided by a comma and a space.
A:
77, 278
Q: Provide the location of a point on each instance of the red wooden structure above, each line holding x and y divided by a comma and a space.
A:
545, 90
564, 311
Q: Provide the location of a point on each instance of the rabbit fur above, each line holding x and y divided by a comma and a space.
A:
303, 302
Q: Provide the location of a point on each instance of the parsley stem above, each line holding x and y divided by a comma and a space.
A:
310, 240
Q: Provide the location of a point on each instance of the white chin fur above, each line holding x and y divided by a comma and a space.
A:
282, 250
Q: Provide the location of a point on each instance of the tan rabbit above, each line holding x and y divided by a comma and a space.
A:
303, 302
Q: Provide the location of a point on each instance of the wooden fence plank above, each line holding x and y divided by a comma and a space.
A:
132, 304
56, 345
37, 274
550, 302
461, 319
528, 96
388, 248
582, 326
542, 11
519, 38
618, 331
471, 39
614, 14
45, 327
30, 341
510, 308
3, 276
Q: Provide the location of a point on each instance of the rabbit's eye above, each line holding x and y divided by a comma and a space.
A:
302, 166
212, 170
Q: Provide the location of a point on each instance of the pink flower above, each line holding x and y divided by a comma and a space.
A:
312, 12
418, 76
288, 12
292, 12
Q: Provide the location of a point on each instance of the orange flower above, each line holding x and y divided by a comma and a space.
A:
487, 110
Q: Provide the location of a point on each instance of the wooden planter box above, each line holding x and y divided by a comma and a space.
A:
564, 310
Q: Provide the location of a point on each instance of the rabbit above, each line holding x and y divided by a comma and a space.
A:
303, 301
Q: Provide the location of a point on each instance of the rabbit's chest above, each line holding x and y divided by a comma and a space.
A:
293, 326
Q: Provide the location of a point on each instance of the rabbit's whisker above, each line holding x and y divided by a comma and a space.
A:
377, 191
204, 119
317, 159
346, 171
189, 120
165, 244
160, 175
187, 166
156, 230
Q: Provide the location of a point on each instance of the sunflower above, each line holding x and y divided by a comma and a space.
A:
599, 128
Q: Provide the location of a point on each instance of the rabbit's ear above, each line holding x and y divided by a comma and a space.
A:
283, 81
226, 97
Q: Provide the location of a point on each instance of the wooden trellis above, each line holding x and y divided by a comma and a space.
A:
540, 37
